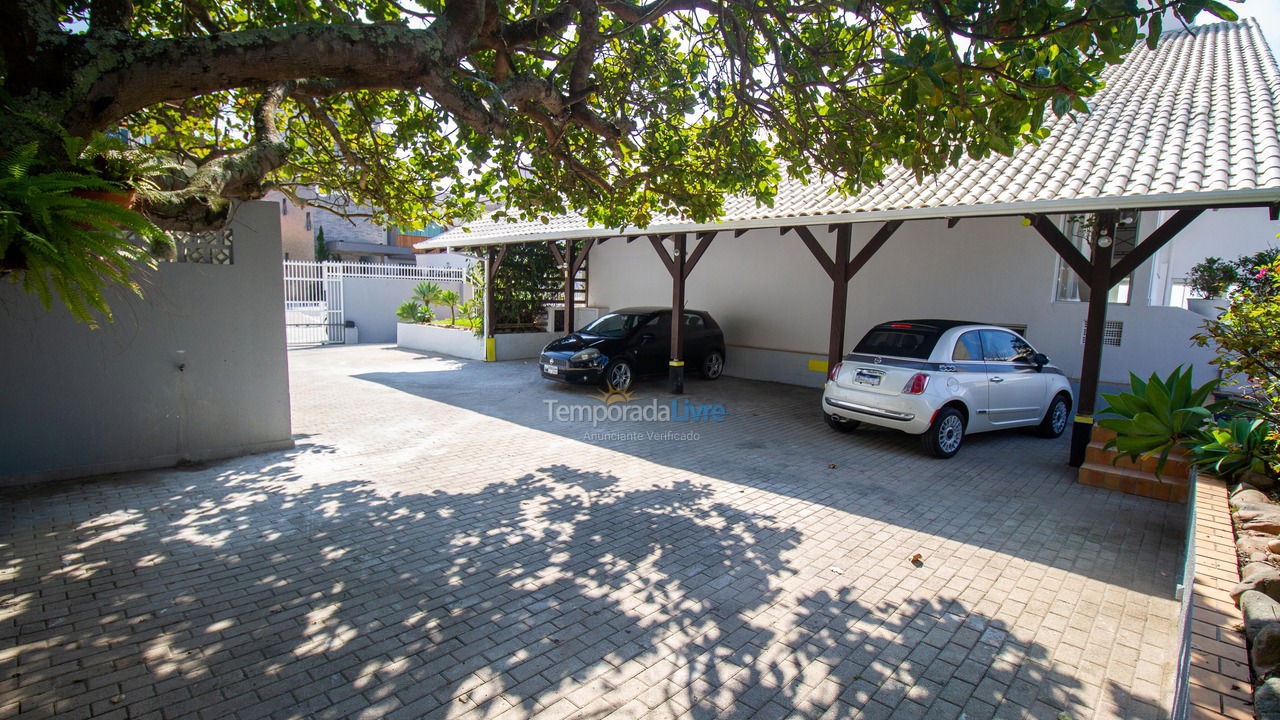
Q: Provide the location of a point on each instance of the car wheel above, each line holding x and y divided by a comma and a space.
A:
1055, 418
619, 375
841, 425
713, 365
945, 435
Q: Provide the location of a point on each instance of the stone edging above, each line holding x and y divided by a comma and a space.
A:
1220, 686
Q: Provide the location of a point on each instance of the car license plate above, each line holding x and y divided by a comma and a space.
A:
551, 369
866, 377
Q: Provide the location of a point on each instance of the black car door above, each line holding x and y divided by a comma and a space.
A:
651, 344
696, 334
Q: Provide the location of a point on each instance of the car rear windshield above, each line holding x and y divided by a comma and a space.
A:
908, 342
613, 324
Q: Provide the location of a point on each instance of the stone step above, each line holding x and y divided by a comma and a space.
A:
1133, 481
1178, 464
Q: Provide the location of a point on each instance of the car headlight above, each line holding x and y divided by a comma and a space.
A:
585, 355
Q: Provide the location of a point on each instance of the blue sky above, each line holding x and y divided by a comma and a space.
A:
1266, 12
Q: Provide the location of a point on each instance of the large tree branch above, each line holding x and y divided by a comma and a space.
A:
203, 201
366, 56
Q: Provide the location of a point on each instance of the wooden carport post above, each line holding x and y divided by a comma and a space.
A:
491, 262
571, 261
841, 270
679, 267
1100, 276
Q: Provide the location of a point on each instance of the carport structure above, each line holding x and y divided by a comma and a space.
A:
1187, 127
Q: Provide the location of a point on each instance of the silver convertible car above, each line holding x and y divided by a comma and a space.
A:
943, 379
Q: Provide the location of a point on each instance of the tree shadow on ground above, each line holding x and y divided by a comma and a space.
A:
254, 590
1003, 486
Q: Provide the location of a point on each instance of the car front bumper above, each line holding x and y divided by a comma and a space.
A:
908, 413
557, 368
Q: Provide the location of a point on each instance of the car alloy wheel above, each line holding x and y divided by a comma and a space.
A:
713, 365
1056, 418
619, 376
1059, 417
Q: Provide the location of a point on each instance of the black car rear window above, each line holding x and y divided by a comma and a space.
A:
908, 342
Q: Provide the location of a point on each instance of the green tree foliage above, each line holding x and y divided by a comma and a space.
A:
526, 281
1247, 344
429, 111
322, 251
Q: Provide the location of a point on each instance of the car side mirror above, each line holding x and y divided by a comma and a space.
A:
1040, 359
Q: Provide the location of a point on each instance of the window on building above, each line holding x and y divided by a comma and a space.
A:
284, 207
1079, 230
308, 219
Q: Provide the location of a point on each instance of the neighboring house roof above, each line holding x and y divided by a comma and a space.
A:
1193, 122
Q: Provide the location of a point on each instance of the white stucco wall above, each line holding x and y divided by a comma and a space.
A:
774, 301
1226, 234
372, 303
76, 401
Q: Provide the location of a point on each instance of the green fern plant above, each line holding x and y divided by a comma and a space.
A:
54, 241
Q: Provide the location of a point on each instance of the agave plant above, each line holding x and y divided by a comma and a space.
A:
1238, 447
56, 238
1158, 416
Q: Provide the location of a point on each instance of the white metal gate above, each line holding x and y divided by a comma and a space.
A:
313, 303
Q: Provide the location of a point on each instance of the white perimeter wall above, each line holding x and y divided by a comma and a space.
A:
372, 303
774, 301
75, 401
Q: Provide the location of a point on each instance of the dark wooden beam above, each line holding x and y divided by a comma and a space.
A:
740, 233
568, 262
952, 222
1273, 210
815, 247
656, 241
1061, 245
839, 296
497, 262
678, 274
1153, 243
704, 241
873, 246
580, 257
555, 252
1091, 364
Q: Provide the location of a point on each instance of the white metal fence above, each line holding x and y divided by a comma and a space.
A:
383, 270
312, 304
314, 297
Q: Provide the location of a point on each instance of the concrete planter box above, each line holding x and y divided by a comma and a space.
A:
1208, 307
466, 344
444, 340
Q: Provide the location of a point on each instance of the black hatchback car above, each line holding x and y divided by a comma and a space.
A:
625, 344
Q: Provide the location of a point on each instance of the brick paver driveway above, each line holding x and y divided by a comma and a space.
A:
437, 547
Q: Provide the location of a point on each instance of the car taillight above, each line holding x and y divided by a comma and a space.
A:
916, 384
834, 371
